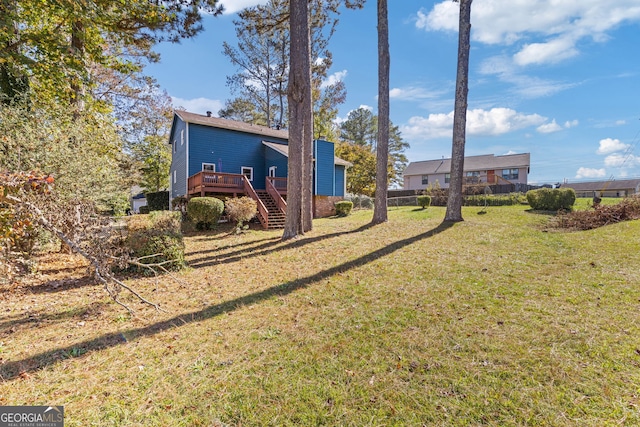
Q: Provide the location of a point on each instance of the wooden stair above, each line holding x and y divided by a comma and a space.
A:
276, 217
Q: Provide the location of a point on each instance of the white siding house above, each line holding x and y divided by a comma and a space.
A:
487, 168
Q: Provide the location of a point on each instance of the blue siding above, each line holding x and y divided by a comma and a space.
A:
229, 150
273, 158
340, 174
178, 140
324, 168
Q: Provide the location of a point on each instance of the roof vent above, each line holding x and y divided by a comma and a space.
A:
208, 113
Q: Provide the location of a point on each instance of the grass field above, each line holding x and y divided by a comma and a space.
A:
494, 321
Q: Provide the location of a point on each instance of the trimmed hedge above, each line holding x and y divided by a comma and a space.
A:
424, 201
551, 199
496, 200
205, 212
343, 208
144, 209
158, 201
158, 233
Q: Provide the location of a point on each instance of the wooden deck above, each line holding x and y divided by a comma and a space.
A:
205, 182
215, 182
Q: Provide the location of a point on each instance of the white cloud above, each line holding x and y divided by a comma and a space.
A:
571, 124
621, 122
618, 160
496, 121
413, 93
548, 52
198, 105
549, 127
608, 146
590, 173
556, 26
233, 6
334, 78
524, 85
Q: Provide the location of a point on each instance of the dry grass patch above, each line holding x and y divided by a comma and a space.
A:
488, 322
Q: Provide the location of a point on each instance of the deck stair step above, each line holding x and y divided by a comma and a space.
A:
276, 217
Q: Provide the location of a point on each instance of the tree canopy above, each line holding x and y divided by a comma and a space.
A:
361, 129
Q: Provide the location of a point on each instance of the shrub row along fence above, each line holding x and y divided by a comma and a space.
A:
477, 200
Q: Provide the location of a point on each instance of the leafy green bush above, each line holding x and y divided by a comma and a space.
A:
495, 200
551, 199
205, 211
158, 201
424, 201
241, 210
343, 208
156, 234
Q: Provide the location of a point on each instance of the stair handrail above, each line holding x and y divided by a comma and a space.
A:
263, 213
275, 194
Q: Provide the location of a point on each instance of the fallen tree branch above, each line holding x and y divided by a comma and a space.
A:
100, 272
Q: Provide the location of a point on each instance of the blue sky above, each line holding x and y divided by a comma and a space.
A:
557, 79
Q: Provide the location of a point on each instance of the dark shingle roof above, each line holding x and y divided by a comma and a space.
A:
231, 125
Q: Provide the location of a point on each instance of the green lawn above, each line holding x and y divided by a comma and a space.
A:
493, 321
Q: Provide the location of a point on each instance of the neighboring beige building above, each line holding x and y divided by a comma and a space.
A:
613, 188
487, 168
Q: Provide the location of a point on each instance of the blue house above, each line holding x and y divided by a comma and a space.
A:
214, 156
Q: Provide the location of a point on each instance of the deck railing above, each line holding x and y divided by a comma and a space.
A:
279, 184
227, 182
275, 194
263, 213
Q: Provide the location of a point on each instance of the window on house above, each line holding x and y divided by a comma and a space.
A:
175, 176
247, 171
182, 137
425, 179
510, 173
175, 145
447, 178
208, 167
472, 177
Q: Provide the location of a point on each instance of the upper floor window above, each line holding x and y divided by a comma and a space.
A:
209, 167
425, 179
182, 137
510, 173
447, 178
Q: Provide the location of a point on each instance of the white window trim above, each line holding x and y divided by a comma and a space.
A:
182, 137
175, 176
242, 169
274, 170
209, 164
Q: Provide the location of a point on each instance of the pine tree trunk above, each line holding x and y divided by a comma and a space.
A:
454, 202
382, 148
299, 96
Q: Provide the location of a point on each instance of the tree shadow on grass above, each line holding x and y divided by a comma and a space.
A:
61, 285
14, 369
12, 324
266, 248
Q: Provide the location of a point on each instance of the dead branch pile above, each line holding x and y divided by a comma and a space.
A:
628, 209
